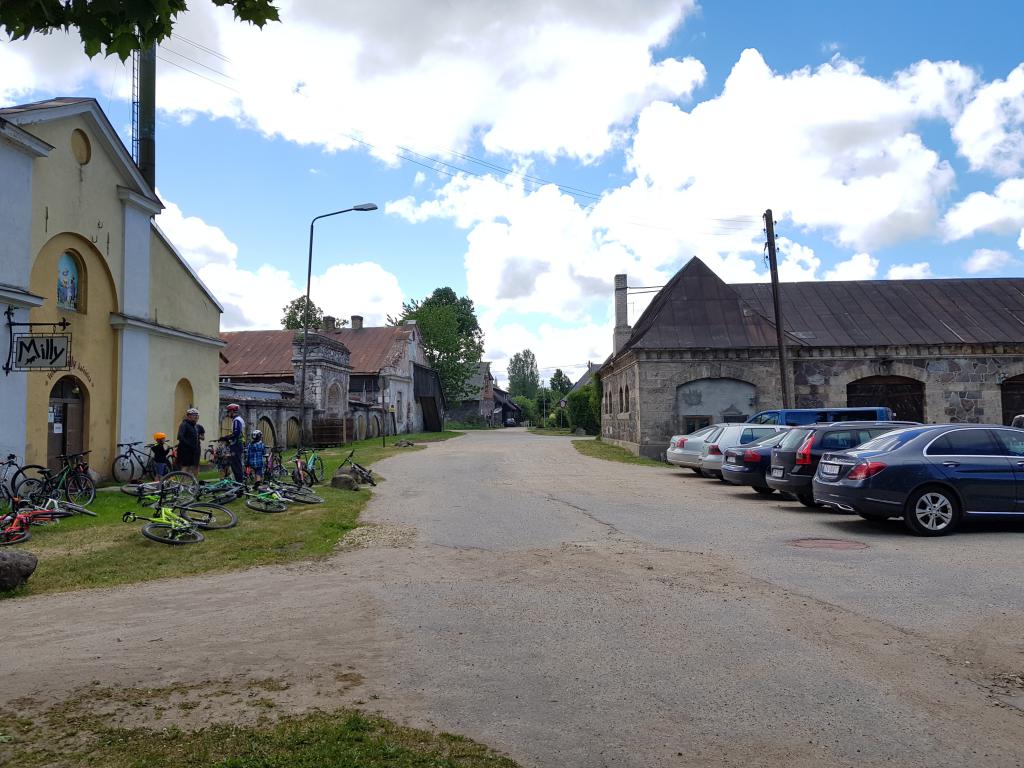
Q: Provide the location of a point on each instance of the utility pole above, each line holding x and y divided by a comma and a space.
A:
780, 334
147, 114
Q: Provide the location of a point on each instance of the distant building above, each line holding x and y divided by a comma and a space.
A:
360, 382
705, 351
478, 406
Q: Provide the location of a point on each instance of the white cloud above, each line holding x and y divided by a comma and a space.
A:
1001, 212
990, 132
255, 298
860, 266
447, 74
917, 271
987, 260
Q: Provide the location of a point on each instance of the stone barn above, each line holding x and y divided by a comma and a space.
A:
704, 351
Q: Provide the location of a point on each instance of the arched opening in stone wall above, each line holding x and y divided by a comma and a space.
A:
905, 396
67, 419
292, 436
1012, 394
335, 401
709, 401
183, 398
265, 426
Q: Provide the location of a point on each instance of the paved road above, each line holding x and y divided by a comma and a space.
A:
574, 612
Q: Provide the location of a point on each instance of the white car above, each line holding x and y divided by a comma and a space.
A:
685, 450
730, 436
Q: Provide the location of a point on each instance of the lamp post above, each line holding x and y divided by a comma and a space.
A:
305, 313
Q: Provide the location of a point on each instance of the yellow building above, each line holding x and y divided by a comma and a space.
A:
78, 243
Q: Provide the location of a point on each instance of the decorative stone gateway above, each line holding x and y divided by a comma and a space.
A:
15, 568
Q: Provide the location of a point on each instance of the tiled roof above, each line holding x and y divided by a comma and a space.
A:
696, 309
269, 353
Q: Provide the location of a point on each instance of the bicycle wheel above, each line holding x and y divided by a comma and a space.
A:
13, 536
365, 474
26, 473
266, 505
302, 496
80, 489
300, 476
169, 534
123, 468
208, 516
179, 485
316, 469
33, 489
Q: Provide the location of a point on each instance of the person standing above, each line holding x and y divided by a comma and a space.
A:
190, 446
237, 442
161, 455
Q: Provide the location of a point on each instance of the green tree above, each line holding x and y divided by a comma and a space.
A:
115, 26
546, 401
560, 383
528, 407
523, 377
584, 406
292, 319
451, 337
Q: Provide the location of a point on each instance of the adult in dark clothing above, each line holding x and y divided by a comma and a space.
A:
190, 446
237, 443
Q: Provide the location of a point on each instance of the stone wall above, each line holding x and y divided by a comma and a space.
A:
961, 384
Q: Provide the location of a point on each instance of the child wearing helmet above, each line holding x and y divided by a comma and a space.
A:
161, 455
256, 455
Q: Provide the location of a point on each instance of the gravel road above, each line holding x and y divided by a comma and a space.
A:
575, 612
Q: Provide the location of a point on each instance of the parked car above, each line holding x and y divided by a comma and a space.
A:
731, 435
748, 464
685, 450
932, 476
797, 417
510, 422
796, 458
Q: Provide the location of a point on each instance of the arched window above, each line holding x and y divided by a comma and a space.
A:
621, 409
398, 404
627, 398
70, 283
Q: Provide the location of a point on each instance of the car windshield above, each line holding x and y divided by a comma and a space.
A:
890, 441
793, 438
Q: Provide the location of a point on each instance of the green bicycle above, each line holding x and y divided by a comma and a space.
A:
177, 523
312, 463
71, 483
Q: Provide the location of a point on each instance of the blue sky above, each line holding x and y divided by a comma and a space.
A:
887, 137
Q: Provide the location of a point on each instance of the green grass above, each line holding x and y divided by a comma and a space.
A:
601, 450
549, 431
85, 552
101, 727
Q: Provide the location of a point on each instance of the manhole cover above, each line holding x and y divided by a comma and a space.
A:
828, 544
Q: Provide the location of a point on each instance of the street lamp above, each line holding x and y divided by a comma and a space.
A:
305, 313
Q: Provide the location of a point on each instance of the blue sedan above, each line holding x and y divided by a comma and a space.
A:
931, 476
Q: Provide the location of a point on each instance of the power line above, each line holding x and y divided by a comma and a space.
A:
204, 77
201, 47
194, 61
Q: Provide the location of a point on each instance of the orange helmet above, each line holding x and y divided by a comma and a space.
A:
159, 436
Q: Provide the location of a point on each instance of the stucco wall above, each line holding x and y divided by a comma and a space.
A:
171, 360
68, 197
176, 299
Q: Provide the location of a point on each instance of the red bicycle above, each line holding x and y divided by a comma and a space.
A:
15, 526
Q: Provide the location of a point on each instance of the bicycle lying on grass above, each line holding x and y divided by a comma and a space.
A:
365, 475
14, 526
178, 523
181, 487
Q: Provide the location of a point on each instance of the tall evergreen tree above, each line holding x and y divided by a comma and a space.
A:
560, 383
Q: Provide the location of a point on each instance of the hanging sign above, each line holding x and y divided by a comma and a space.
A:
33, 352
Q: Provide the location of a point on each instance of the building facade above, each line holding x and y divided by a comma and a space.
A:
704, 352
80, 248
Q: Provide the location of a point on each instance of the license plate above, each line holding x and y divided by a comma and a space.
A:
731, 460
829, 469
777, 471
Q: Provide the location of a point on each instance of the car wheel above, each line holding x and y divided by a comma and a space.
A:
807, 500
932, 512
764, 490
696, 471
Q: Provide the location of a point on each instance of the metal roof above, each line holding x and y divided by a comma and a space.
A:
697, 309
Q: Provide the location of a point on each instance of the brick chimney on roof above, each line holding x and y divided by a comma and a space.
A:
357, 322
330, 324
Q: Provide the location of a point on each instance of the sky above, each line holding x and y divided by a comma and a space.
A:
525, 153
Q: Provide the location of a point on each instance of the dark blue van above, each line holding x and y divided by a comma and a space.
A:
796, 417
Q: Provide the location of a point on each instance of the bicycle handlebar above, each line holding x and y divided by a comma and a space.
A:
122, 445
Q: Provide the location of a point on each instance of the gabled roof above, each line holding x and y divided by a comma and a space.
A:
586, 378
269, 353
697, 310
26, 115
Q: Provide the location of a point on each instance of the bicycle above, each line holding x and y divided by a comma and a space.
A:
365, 475
205, 515
132, 464
71, 483
15, 525
222, 491
265, 500
290, 492
181, 486
276, 468
314, 464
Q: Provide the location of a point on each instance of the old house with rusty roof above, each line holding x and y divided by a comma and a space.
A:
360, 382
944, 350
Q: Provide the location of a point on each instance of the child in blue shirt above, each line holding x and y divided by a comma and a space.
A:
255, 455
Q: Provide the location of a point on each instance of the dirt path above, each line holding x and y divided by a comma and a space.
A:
572, 612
